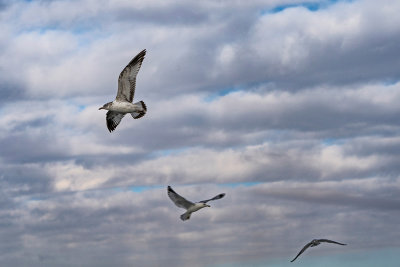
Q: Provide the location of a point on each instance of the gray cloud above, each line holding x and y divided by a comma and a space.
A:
292, 112
10, 93
125, 225
288, 49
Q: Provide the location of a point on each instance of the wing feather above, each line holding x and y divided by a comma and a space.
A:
219, 196
331, 241
113, 119
301, 251
179, 201
127, 78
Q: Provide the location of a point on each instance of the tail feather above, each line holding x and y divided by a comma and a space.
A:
139, 114
185, 216
143, 106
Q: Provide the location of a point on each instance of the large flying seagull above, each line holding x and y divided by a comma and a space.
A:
122, 104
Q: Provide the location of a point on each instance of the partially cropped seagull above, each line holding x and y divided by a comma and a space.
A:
122, 104
315, 243
189, 206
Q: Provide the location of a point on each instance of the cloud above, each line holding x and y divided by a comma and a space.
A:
290, 108
127, 225
291, 49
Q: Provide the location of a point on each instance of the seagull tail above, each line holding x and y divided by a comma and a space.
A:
141, 112
185, 216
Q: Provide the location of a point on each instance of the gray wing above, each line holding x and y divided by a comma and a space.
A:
178, 200
214, 198
113, 119
127, 78
330, 241
301, 251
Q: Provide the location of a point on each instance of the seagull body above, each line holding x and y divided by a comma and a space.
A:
124, 107
314, 243
122, 104
190, 207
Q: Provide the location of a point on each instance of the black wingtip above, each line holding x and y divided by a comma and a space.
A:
138, 57
141, 53
110, 126
219, 196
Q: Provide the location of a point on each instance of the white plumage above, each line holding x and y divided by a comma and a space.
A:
190, 207
126, 91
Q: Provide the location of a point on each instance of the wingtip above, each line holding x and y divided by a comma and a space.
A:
221, 195
142, 53
110, 127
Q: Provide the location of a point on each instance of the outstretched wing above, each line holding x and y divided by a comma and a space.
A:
214, 198
127, 78
330, 241
179, 200
301, 251
113, 119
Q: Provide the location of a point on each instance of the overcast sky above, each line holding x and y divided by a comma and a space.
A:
290, 107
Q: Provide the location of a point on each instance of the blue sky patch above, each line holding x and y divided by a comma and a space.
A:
311, 6
219, 94
140, 189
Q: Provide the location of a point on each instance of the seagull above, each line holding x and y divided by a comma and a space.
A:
189, 206
314, 243
122, 104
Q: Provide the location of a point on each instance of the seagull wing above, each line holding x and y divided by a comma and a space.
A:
301, 251
178, 200
214, 198
127, 78
113, 119
330, 241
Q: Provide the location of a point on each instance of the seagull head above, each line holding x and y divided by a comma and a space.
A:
106, 106
315, 242
202, 205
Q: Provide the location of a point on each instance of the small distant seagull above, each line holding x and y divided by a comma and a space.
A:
126, 90
315, 243
189, 206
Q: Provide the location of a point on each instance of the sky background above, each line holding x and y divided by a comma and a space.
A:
289, 107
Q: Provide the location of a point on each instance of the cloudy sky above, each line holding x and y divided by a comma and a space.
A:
290, 107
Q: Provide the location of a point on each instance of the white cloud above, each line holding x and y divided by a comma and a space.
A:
304, 103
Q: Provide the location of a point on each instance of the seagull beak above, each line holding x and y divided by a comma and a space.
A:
208, 206
101, 108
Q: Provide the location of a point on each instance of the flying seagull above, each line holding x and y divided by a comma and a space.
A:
122, 104
314, 243
189, 206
